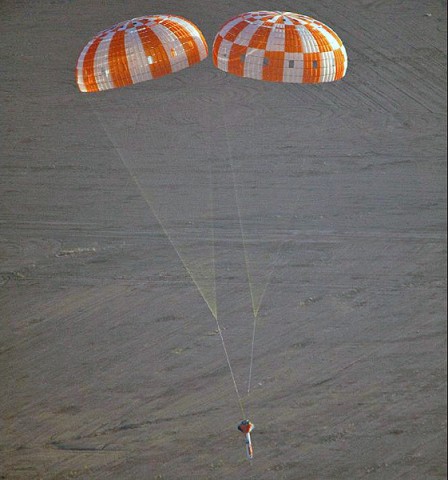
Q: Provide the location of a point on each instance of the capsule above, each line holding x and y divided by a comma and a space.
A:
246, 426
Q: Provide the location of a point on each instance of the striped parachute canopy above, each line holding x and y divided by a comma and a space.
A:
279, 47
137, 50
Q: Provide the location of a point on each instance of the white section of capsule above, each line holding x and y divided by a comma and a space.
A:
249, 448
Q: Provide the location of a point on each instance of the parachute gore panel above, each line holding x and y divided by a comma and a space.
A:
279, 47
137, 50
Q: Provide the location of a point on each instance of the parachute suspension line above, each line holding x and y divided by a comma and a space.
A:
218, 326
255, 305
211, 305
252, 353
243, 236
240, 402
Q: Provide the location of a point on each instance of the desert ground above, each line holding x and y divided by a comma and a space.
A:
144, 229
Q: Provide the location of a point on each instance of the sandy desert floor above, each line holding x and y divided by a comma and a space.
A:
130, 219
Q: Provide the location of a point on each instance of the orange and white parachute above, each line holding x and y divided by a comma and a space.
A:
137, 50
279, 47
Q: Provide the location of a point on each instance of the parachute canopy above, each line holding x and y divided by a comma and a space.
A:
279, 47
137, 50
